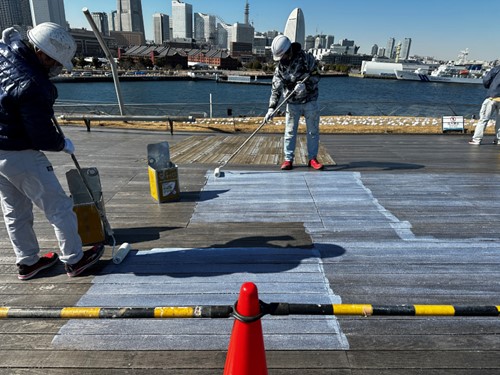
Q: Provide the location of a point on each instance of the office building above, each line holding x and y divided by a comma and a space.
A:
204, 28
259, 44
129, 16
182, 20
389, 50
48, 11
15, 13
223, 37
113, 20
404, 54
241, 38
101, 21
330, 40
310, 42
161, 28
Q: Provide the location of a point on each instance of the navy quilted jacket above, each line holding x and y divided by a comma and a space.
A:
491, 81
27, 97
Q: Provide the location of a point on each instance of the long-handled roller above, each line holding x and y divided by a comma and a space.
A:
217, 171
122, 252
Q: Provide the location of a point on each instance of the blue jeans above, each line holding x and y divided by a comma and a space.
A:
310, 111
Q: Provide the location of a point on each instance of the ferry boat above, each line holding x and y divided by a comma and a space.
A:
453, 72
446, 74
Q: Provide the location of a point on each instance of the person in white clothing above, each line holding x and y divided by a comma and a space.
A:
490, 109
27, 177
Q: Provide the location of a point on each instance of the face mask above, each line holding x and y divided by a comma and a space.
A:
54, 71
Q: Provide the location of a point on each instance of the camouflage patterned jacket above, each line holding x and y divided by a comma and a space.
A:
286, 76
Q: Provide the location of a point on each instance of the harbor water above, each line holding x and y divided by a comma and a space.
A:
338, 96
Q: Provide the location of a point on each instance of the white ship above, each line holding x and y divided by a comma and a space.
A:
453, 72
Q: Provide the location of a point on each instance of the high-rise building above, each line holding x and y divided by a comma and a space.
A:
241, 39
320, 41
129, 16
404, 54
182, 20
15, 13
330, 39
295, 27
48, 11
113, 20
161, 28
242, 33
374, 51
389, 50
259, 44
101, 21
223, 31
204, 28
310, 42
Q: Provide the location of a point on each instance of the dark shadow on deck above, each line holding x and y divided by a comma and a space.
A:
211, 262
385, 166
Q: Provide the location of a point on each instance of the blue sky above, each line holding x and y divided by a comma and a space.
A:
439, 28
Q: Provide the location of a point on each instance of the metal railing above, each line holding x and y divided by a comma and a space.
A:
221, 110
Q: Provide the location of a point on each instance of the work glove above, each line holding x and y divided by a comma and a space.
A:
300, 89
10, 35
269, 115
69, 148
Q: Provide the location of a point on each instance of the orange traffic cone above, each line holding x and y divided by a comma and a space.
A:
246, 354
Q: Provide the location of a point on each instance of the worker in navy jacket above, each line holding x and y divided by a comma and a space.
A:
27, 177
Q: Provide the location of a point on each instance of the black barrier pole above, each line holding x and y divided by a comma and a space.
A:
222, 312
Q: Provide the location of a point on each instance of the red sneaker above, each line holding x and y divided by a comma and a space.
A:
287, 165
314, 163
46, 261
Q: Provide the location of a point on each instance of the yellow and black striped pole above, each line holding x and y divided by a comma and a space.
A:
167, 312
218, 312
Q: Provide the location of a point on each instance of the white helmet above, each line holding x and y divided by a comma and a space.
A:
280, 45
54, 41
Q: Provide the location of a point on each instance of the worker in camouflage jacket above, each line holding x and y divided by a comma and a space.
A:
296, 77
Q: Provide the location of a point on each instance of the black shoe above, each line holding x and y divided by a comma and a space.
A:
90, 257
46, 261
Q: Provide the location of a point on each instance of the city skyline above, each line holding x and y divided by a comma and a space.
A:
439, 29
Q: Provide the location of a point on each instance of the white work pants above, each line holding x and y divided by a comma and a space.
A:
27, 177
489, 111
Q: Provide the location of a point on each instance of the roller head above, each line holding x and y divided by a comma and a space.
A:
121, 253
218, 173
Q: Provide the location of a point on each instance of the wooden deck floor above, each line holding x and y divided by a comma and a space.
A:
392, 220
